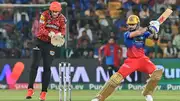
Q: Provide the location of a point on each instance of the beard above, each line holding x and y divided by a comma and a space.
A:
131, 29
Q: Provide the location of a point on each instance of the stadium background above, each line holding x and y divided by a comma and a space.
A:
99, 19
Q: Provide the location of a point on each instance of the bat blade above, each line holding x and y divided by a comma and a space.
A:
165, 15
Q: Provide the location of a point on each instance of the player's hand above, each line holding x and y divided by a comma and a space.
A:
51, 34
154, 27
58, 40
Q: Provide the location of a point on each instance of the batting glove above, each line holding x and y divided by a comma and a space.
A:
154, 27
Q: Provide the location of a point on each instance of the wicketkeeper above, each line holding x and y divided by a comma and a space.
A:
134, 39
51, 34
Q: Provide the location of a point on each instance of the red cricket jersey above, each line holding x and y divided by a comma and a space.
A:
136, 56
117, 52
135, 52
47, 24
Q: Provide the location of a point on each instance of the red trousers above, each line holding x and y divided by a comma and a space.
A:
142, 64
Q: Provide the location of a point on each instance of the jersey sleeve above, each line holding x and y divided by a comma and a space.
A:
147, 34
127, 35
101, 49
63, 25
42, 26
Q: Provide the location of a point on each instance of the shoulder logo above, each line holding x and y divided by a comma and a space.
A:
42, 17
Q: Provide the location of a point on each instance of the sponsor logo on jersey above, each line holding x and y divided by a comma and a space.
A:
52, 26
42, 19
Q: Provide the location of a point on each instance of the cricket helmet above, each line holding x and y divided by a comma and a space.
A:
133, 19
55, 6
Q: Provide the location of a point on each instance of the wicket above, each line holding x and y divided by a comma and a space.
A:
66, 69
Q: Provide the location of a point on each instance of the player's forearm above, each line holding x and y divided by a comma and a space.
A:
138, 32
100, 56
63, 30
100, 53
154, 36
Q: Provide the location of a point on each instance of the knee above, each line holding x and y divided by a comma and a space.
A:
157, 74
116, 79
122, 73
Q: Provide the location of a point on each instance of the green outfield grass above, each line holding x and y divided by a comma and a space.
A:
86, 95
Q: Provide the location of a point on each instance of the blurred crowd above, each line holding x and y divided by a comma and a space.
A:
91, 23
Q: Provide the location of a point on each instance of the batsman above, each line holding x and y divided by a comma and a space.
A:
50, 35
134, 40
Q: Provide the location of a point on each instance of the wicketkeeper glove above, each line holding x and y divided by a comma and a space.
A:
51, 34
58, 40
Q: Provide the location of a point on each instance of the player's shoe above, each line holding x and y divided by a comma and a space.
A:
149, 98
95, 99
30, 92
43, 96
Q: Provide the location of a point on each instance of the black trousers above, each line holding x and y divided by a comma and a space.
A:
110, 69
46, 51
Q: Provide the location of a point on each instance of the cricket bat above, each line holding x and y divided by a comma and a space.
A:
165, 15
